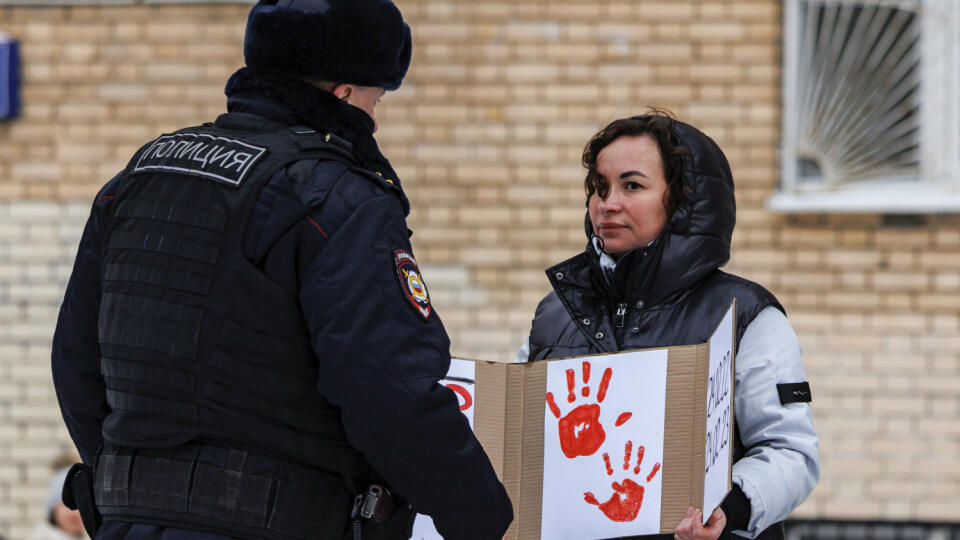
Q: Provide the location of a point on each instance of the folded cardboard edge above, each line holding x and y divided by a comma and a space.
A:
490, 424
534, 411
700, 425
679, 451
490, 412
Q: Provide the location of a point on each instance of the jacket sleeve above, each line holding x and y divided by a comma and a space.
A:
75, 357
782, 464
380, 360
523, 354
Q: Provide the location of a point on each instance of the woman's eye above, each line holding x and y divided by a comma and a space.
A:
633, 186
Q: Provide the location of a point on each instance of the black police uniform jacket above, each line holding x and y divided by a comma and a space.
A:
245, 306
668, 293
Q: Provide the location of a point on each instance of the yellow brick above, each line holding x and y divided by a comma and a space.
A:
714, 10
938, 260
681, 11
173, 71
910, 281
665, 53
574, 11
715, 112
852, 259
718, 31
572, 93
471, 215
531, 72
531, 154
947, 238
756, 10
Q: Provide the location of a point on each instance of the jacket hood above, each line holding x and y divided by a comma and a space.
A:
696, 238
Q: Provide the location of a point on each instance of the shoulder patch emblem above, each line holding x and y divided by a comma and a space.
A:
411, 282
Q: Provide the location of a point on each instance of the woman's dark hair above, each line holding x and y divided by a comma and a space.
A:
658, 124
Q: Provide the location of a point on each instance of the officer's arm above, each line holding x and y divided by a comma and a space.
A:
782, 464
380, 357
76, 350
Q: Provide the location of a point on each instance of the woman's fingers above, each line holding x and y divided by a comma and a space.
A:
691, 528
684, 530
718, 520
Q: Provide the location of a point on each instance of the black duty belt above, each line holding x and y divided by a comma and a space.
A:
224, 490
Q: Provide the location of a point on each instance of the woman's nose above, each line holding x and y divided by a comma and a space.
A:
610, 204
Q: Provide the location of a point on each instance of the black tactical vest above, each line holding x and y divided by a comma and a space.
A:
209, 371
577, 318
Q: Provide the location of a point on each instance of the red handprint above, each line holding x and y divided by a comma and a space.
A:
463, 394
580, 431
627, 508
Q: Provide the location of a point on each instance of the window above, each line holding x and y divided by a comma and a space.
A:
871, 119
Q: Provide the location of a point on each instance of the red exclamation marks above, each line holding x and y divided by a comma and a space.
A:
604, 383
606, 461
586, 380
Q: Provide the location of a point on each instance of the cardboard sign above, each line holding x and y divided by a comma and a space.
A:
609, 445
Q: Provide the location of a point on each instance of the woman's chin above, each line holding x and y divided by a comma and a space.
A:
618, 246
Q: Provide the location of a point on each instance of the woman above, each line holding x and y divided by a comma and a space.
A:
661, 213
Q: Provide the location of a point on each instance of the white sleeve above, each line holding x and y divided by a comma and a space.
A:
782, 464
523, 354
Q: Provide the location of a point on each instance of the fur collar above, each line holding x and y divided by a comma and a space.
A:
295, 102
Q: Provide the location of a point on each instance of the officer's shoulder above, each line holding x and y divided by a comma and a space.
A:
376, 179
357, 186
326, 165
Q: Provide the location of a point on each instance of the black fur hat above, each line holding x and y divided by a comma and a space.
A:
363, 42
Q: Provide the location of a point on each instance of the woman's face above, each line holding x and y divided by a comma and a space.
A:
633, 214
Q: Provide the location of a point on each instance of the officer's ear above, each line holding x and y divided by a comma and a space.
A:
343, 91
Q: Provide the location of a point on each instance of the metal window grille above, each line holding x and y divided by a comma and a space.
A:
860, 530
854, 112
871, 107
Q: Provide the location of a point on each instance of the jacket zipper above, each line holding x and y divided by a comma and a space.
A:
621, 313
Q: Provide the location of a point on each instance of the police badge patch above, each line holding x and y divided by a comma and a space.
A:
411, 283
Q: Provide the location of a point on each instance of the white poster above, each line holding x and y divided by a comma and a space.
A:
716, 474
460, 378
603, 445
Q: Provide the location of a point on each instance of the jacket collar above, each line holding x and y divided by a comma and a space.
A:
294, 102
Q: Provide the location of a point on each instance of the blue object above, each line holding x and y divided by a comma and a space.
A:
9, 77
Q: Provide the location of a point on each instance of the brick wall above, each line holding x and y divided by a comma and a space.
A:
486, 133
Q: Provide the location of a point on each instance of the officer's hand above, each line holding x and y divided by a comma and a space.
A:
690, 527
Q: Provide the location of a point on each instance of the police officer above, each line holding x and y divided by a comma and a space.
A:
246, 347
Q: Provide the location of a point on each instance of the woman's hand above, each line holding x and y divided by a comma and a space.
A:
690, 527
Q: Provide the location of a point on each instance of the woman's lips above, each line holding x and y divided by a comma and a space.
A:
611, 227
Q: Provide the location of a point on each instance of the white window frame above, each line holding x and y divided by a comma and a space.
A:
937, 189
